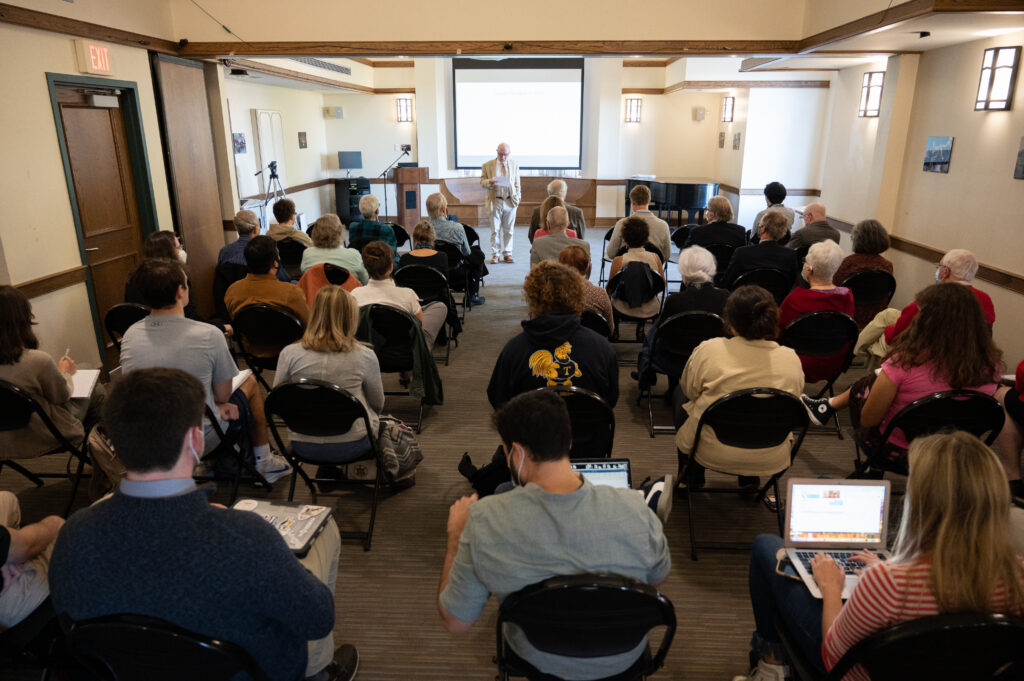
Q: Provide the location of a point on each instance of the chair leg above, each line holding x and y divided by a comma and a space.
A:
778, 505
693, 531
373, 506
419, 419
18, 468
650, 411
74, 486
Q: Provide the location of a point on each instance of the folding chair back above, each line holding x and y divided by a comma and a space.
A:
871, 287
601, 279
224, 276
753, 418
595, 322
679, 335
290, 251
392, 343
471, 235
772, 280
723, 254
429, 283
592, 420
336, 275
359, 244
967, 410
266, 329
401, 236
120, 317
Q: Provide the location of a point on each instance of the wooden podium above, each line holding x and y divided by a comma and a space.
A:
407, 182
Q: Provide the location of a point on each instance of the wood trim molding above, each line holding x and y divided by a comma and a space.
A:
719, 84
643, 90
360, 60
394, 90
877, 20
645, 63
759, 191
722, 187
53, 282
19, 16
287, 190
391, 63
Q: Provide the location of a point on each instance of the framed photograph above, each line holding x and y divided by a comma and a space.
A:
238, 141
302, 140
1018, 169
736, 142
721, 140
937, 153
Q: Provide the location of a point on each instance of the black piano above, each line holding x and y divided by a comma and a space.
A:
677, 194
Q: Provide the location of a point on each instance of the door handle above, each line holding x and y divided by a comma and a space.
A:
91, 250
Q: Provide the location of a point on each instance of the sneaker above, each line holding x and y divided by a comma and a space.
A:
820, 411
273, 467
765, 672
658, 495
342, 668
477, 300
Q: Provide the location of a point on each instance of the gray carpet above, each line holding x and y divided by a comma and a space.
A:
385, 599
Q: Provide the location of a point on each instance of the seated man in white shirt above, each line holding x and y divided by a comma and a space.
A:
379, 261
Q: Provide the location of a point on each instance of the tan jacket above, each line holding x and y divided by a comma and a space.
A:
490, 170
36, 372
279, 232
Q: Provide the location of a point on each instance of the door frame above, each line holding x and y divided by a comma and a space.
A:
132, 112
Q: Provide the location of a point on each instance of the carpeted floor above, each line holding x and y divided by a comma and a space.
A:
385, 599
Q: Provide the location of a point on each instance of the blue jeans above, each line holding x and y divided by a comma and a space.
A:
774, 596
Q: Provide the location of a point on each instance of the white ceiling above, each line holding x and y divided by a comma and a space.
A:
946, 29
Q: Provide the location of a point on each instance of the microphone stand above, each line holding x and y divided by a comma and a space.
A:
384, 175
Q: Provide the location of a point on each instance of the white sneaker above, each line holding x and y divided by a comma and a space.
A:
273, 467
766, 672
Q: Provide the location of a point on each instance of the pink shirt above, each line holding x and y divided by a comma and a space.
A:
913, 384
571, 233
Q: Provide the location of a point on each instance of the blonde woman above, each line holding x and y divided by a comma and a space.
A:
330, 352
953, 553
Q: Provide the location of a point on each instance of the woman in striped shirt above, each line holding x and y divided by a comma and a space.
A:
956, 498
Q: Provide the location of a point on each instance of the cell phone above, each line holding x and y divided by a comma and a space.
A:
785, 567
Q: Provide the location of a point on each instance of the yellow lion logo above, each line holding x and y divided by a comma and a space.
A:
559, 369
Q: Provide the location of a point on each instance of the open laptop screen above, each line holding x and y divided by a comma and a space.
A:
612, 472
824, 513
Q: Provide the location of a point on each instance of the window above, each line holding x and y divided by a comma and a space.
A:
727, 105
633, 109
404, 109
998, 75
870, 94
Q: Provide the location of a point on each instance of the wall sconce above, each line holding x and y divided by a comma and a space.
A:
728, 104
404, 105
633, 105
998, 77
870, 94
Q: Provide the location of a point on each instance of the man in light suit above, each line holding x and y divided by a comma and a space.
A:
502, 201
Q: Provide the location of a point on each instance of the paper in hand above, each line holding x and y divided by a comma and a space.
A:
502, 181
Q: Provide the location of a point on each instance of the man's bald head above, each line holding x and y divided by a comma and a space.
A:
503, 151
558, 188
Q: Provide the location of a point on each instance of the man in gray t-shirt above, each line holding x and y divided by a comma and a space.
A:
553, 523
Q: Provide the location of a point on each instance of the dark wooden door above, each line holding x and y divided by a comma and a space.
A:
191, 169
108, 209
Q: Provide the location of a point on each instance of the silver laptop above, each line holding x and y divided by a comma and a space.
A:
611, 472
838, 518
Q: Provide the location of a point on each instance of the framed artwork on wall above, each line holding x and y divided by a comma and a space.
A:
721, 140
937, 153
238, 141
302, 140
736, 142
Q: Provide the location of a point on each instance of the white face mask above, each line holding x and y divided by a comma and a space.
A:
182, 255
195, 454
517, 481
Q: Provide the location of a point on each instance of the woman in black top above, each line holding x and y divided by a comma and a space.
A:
423, 253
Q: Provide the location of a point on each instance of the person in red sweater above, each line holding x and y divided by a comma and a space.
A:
823, 259
1011, 438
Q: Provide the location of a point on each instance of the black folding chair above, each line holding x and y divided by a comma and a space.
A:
224, 276
656, 289
471, 235
675, 339
431, 285
401, 236
321, 409
723, 254
824, 333
585, 615
871, 288
592, 420
601, 279
967, 645
772, 280
290, 251
126, 647
596, 322
232, 451
265, 329
967, 410
458, 273
17, 409
392, 343
31, 641
120, 317
678, 238
359, 244
336, 275
752, 418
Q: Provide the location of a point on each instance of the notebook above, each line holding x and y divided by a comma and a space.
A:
611, 472
837, 517
298, 524
84, 381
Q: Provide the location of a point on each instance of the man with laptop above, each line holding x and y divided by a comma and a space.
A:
554, 522
158, 547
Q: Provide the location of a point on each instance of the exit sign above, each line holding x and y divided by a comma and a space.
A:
94, 58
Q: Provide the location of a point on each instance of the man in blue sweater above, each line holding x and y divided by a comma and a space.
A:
158, 547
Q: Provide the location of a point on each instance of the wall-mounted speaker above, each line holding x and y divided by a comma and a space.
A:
334, 112
699, 112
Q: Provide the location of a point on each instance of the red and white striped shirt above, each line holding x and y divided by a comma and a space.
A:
886, 594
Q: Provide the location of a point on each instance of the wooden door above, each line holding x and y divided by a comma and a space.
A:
108, 209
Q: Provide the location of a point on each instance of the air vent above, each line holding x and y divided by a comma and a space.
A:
326, 65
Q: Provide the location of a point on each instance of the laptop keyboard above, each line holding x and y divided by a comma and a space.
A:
843, 558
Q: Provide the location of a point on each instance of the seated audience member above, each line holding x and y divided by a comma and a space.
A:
697, 268
330, 352
285, 229
658, 232
749, 359
595, 298
328, 234
166, 339
261, 285
948, 346
23, 364
1010, 439
542, 217
554, 349
369, 228
25, 560
819, 268
553, 523
768, 252
628, 296
379, 261
774, 195
870, 240
158, 547
246, 225
423, 253
815, 229
933, 569
547, 246
455, 233
165, 244
718, 228
577, 223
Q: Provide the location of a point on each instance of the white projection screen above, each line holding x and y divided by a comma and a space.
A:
536, 105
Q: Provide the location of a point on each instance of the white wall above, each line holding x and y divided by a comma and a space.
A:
668, 141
